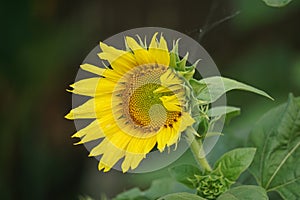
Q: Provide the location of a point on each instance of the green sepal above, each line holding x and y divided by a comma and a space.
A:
188, 73
174, 58
182, 63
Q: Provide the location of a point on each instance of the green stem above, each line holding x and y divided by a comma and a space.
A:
198, 152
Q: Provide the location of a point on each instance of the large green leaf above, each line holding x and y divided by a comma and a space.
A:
234, 162
183, 174
181, 196
216, 86
157, 189
277, 3
277, 139
245, 192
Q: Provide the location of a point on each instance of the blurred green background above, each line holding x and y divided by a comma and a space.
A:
44, 42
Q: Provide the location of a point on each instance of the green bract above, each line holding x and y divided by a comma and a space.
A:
212, 185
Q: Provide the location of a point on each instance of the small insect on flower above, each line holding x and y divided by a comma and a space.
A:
140, 101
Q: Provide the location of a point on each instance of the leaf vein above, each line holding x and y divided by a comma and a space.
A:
281, 164
282, 185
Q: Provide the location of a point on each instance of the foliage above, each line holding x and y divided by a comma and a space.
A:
245, 192
208, 183
276, 159
277, 139
157, 189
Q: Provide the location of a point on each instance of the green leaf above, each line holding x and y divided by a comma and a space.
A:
277, 139
181, 196
183, 174
277, 3
157, 189
216, 86
228, 111
222, 110
234, 162
245, 192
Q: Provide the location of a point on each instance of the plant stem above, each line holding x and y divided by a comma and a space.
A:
198, 152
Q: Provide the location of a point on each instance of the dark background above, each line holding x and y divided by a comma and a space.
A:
44, 42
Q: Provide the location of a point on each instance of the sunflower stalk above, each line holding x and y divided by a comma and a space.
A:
198, 152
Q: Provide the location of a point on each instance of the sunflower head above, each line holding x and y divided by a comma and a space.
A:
141, 100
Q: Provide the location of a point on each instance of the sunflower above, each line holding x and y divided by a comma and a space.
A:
138, 102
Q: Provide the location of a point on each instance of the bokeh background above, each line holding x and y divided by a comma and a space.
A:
44, 42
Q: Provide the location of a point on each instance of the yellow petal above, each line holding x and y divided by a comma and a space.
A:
131, 161
175, 135
93, 69
171, 103
141, 145
112, 131
105, 86
141, 55
91, 132
169, 78
159, 51
111, 155
163, 44
163, 136
132, 44
111, 54
121, 61
85, 111
153, 43
168, 136
161, 89
112, 75
117, 137
172, 88
85, 87
103, 166
186, 121
93, 127
100, 148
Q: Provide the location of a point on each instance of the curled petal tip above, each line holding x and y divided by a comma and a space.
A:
70, 115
